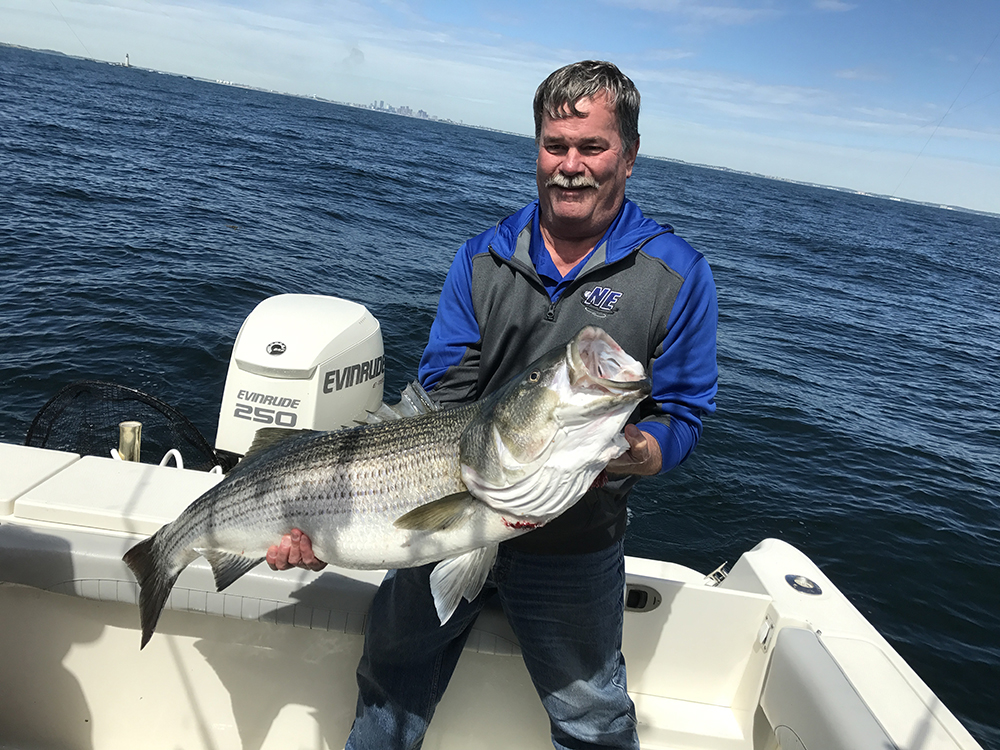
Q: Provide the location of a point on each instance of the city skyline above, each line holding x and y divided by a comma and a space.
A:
888, 98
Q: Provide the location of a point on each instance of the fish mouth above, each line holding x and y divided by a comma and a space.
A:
598, 363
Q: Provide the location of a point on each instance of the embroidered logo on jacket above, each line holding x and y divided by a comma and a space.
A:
601, 300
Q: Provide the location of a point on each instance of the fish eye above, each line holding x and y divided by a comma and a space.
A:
535, 376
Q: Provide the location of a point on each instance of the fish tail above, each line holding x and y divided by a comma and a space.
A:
155, 583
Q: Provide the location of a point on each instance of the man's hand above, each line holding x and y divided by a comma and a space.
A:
294, 551
643, 456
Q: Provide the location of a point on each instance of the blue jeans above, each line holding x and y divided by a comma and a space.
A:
566, 611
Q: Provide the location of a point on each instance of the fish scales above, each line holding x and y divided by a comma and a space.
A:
444, 486
341, 486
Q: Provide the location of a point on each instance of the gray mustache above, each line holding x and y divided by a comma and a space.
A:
578, 181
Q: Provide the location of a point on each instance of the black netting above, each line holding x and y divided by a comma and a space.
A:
83, 418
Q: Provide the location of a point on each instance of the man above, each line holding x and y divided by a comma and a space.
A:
581, 254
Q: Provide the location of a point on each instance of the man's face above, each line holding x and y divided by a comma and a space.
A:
581, 170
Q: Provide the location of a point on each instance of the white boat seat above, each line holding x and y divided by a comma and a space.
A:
810, 703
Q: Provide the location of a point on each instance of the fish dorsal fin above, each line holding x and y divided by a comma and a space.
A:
264, 439
437, 515
459, 577
268, 437
228, 567
413, 401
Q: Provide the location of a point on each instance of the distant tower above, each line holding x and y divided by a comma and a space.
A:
126, 60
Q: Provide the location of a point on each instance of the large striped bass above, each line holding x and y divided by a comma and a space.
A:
443, 486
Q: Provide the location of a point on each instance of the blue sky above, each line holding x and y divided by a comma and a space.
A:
886, 96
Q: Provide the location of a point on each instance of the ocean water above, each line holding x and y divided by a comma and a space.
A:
143, 216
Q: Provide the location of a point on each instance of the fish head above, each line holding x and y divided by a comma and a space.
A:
588, 378
552, 426
601, 377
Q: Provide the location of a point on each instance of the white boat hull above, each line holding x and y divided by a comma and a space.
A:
751, 663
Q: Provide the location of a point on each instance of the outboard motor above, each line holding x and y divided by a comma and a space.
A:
301, 361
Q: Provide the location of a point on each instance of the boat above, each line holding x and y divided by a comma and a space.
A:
767, 655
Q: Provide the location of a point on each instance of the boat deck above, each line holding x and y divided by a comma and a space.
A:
269, 663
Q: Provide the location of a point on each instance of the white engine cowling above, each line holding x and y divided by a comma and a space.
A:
301, 361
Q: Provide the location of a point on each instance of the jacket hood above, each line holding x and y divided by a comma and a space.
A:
629, 230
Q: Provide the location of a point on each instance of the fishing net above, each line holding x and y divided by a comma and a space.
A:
83, 418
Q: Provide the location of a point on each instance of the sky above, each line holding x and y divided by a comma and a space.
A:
893, 97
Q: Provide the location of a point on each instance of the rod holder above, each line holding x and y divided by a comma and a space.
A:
129, 440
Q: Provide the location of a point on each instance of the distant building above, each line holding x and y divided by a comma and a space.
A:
404, 109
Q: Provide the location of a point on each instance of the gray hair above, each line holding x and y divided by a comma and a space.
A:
588, 78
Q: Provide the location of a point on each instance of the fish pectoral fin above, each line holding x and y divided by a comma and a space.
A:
227, 567
437, 515
459, 577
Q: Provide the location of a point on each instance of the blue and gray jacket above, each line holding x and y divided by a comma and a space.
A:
650, 290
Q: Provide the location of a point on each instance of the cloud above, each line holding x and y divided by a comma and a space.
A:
702, 13
730, 93
355, 57
666, 54
833, 6
860, 74
816, 114
928, 178
471, 69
